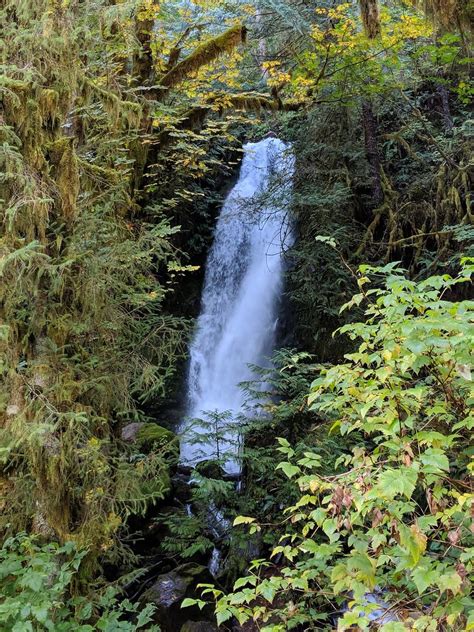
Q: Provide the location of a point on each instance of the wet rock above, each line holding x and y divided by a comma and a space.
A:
242, 552
181, 488
234, 477
248, 549
168, 591
194, 571
185, 470
217, 523
253, 548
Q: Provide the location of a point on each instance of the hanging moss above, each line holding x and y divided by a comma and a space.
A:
450, 14
76, 310
68, 181
48, 102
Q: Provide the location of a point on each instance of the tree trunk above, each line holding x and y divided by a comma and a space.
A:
369, 123
369, 10
143, 59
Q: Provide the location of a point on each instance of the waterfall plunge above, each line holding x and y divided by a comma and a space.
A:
242, 286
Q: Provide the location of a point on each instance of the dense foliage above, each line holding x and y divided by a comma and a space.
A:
88, 255
394, 513
121, 123
35, 583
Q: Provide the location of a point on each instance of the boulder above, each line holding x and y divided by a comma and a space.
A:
210, 469
150, 436
129, 432
181, 488
168, 591
242, 552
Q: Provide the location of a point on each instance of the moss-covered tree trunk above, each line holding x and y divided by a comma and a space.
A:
369, 10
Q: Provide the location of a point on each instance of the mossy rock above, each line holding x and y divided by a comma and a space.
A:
191, 570
168, 591
151, 436
210, 469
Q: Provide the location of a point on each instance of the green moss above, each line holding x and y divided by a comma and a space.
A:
48, 102
151, 435
205, 54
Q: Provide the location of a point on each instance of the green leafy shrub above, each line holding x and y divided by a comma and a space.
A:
393, 521
35, 593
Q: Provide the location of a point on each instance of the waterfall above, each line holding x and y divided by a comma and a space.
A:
242, 287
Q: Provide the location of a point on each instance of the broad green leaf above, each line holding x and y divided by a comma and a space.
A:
423, 577
393, 482
222, 616
450, 582
434, 461
289, 469
268, 591
242, 520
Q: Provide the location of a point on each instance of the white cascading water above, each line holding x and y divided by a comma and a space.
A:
242, 287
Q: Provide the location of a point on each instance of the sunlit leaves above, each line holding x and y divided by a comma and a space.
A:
339, 58
243, 520
389, 518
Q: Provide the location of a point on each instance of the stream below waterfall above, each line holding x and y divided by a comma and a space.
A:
239, 309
